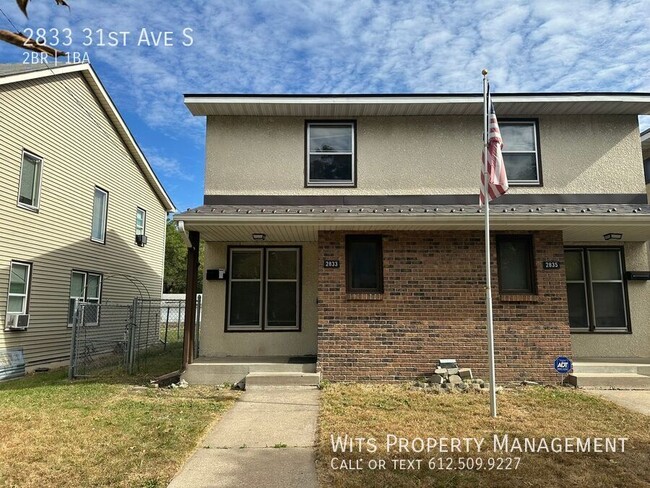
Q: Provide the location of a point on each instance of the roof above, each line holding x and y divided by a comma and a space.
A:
358, 105
15, 73
588, 222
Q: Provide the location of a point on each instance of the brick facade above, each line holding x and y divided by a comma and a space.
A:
433, 306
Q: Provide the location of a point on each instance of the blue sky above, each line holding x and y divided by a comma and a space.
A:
335, 46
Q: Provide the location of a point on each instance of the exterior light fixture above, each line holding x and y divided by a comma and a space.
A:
613, 236
259, 237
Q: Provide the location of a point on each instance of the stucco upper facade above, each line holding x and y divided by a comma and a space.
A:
424, 155
61, 119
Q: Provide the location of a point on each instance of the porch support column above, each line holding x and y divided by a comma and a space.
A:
190, 298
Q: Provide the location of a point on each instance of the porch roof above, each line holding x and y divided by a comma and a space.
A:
579, 222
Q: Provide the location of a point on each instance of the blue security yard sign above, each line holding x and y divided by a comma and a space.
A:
562, 365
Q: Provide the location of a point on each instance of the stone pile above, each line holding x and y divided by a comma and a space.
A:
448, 377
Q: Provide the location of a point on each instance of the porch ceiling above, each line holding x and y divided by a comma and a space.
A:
302, 223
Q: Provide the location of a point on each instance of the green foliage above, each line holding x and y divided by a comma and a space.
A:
176, 261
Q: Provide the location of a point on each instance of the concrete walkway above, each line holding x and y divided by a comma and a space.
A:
637, 400
245, 447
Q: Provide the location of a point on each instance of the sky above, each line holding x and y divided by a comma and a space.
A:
329, 46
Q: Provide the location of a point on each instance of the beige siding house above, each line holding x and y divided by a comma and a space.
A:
348, 229
75, 194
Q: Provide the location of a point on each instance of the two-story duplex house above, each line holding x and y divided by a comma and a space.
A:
82, 214
349, 229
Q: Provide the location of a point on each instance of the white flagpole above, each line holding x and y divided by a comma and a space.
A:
488, 281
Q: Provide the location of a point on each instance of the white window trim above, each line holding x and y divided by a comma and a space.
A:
296, 280
345, 183
84, 298
144, 221
534, 123
40, 181
25, 307
93, 238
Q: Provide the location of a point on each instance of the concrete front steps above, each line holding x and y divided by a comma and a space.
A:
217, 371
622, 376
263, 380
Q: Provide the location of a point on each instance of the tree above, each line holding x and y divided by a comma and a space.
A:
20, 40
176, 262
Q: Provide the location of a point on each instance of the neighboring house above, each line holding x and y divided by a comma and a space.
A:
348, 227
645, 146
82, 215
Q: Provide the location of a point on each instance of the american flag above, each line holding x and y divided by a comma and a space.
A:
497, 183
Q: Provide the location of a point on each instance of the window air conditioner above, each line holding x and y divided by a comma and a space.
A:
140, 240
17, 321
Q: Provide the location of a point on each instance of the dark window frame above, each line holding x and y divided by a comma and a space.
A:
592, 329
346, 184
379, 265
263, 297
535, 122
529, 238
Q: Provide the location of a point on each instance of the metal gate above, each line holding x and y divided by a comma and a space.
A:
106, 336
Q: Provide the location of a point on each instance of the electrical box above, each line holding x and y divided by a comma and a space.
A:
215, 274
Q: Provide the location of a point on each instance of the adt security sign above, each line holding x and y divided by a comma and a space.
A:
562, 365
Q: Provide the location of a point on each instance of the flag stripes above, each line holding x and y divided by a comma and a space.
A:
497, 180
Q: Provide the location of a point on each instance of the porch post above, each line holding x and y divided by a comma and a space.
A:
190, 298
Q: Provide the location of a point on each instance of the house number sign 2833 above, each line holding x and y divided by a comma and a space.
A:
332, 263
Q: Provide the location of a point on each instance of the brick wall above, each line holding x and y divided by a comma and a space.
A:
433, 306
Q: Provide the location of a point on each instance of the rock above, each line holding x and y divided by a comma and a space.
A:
476, 387
465, 373
436, 379
440, 371
454, 379
447, 363
462, 387
183, 384
452, 370
529, 383
421, 384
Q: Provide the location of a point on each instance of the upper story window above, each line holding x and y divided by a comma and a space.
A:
19, 278
100, 210
331, 158
30, 181
140, 221
521, 152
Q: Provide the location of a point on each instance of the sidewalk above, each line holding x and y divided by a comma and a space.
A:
636, 400
246, 448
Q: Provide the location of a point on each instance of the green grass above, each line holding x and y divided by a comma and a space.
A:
104, 431
378, 410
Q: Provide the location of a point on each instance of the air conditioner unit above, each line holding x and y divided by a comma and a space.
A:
17, 321
140, 240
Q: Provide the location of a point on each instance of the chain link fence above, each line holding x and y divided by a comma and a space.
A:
106, 336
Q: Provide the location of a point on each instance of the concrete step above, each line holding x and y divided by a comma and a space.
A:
622, 381
614, 368
216, 372
257, 380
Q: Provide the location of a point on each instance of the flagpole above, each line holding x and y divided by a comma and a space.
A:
488, 281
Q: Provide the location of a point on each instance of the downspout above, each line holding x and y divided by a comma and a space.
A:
191, 239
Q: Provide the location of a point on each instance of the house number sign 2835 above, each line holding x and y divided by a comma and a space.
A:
551, 264
332, 263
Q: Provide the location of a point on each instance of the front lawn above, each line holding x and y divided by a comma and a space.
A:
383, 411
106, 431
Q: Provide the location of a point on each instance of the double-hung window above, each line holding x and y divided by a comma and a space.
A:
331, 158
30, 181
264, 289
140, 221
100, 214
86, 287
19, 279
516, 264
521, 152
596, 289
